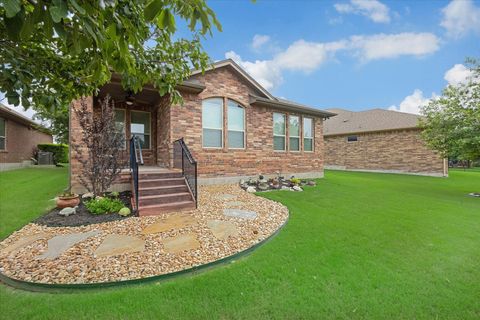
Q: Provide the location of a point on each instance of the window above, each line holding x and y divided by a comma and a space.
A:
294, 133
212, 123
236, 125
3, 134
307, 134
140, 126
352, 138
279, 131
120, 125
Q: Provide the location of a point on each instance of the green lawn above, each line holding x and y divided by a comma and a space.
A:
359, 245
26, 193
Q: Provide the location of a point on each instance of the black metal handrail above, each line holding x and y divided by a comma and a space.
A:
136, 158
182, 158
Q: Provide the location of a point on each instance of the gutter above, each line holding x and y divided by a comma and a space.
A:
290, 107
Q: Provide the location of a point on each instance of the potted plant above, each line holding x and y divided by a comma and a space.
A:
67, 199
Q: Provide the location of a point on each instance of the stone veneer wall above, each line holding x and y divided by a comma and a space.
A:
258, 157
388, 151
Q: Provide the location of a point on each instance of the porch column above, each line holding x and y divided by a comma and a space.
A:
74, 138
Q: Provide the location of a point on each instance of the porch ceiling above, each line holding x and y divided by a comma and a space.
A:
149, 96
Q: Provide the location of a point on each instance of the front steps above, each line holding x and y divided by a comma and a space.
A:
163, 191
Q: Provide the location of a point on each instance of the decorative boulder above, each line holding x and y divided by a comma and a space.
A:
263, 186
251, 189
297, 188
124, 212
87, 195
67, 211
285, 188
311, 183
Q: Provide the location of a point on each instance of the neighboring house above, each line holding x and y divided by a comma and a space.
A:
233, 127
19, 136
379, 140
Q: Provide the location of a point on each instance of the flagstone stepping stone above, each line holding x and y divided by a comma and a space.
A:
222, 229
24, 242
234, 204
59, 244
181, 243
115, 244
237, 213
175, 221
226, 196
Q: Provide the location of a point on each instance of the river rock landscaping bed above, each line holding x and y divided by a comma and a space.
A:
278, 183
228, 220
82, 217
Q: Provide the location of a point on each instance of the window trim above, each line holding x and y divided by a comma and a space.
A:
244, 125
222, 128
4, 136
150, 131
299, 133
312, 137
124, 126
279, 135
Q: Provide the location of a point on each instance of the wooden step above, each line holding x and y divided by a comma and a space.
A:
158, 175
153, 210
160, 182
164, 198
157, 190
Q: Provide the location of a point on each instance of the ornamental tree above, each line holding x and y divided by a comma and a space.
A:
55, 51
451, 123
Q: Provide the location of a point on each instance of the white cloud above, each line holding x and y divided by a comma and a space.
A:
461, 17
259, 40
457, 74
412, 103
308, 56
299, 56
372, 9
383, 46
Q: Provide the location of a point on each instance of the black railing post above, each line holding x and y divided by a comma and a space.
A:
189, 166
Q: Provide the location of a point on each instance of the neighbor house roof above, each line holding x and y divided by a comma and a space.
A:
8, 113
268, 99
369, 120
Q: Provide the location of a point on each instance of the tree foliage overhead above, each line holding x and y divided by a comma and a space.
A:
54, 51
451, 123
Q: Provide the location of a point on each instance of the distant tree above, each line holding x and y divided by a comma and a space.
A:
55, 51
58, 120
451, 123
97, 149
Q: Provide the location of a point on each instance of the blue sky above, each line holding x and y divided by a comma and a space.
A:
350, 54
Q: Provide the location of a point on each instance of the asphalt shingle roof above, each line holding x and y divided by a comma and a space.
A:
369, 120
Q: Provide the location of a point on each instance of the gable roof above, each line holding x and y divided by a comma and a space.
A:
20, 118
369, 120
268, 99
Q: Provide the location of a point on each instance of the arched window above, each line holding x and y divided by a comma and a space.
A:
212, 123
236, 125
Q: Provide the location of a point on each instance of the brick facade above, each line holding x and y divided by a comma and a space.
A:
216, 165
399, 151
21, 139
258, 157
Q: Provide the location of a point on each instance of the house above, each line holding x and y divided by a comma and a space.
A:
232, 129
19, 136
379, 140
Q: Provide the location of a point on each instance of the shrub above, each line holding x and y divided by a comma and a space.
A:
124, 212
60, 151
295, 181
104, 205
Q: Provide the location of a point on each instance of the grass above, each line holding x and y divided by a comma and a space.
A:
26, 193
359, 245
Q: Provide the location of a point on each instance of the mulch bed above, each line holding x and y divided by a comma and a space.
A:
82, 217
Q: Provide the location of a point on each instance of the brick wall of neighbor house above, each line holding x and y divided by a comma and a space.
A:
259, 156
397, 151
21, 140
